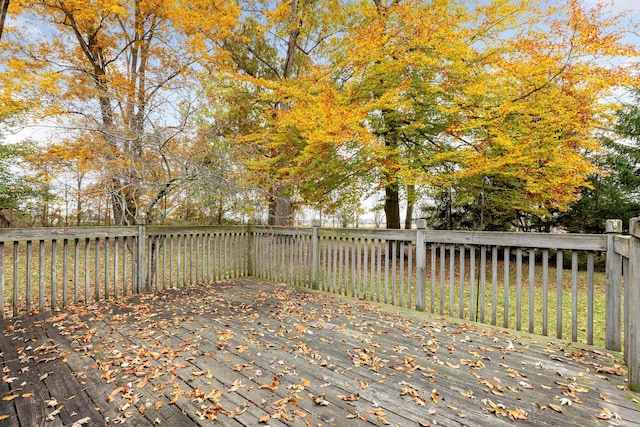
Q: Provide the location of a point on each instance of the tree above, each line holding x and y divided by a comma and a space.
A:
546, 102
126, 73
15, 190
272, 67
614, 194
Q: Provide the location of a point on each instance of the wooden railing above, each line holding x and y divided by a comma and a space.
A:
623, 261
48, 268
546, 284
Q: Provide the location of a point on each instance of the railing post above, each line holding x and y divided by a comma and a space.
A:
421, 264
315, 255
142, 236
613, 336
632, 292
250, 250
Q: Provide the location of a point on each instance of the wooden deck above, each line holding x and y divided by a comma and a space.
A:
247, 353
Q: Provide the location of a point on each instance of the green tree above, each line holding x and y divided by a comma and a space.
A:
615, 193
15, 190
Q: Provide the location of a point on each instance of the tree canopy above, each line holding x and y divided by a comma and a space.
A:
492, 110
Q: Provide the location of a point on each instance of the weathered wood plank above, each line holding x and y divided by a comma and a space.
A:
587, 242
55, 233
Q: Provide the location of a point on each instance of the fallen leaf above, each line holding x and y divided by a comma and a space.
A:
607, 414
265, 419
319, 400
81, 422
272, 386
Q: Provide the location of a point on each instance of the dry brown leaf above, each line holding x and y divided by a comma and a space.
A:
272, 386
265, 419
4, 416
555, 407
81, 422
607, 414
517, 414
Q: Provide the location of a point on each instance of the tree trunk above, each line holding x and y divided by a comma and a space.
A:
280, 207
280, 203
4, 7
411, 200
392, 205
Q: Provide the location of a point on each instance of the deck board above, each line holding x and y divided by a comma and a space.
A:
247, 352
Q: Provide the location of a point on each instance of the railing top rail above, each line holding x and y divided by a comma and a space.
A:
587, 242
369, 233
282, 231
59, 233
200, 229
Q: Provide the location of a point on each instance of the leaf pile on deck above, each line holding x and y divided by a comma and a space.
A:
251, 352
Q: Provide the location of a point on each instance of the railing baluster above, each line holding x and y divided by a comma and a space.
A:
41, 276
443, 257
461, 284
394, 257
106, 267
65, 271
494, 285
375, 250
483, 280
191, 258
76, 270
410, 276
574, 296
386, 271
590, 297
163, 240
545, 292
86, 269
185, 259
506, 260
559, 260
28, 272
54, 277
532, 271
125, 247
116, 266
452, 279
473, 305
433, 278
400, 245
358, 283
16, 269
518, 289
97, 270
156, 258
335, 247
